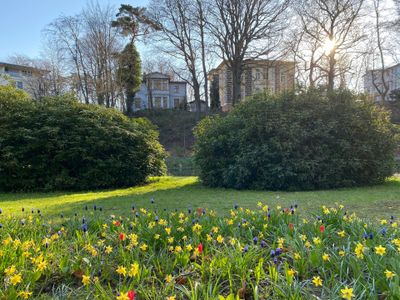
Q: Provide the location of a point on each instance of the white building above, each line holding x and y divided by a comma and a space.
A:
373, 82
25, 78
161, 91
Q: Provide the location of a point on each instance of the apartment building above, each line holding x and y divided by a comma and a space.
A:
258, 76
160, 92
373, 83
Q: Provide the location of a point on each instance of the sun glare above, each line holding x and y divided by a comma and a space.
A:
329, 46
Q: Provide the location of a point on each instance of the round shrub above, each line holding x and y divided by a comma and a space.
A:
61, 144
296, 141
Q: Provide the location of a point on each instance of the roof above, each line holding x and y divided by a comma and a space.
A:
255, 61
21, 67
388, 68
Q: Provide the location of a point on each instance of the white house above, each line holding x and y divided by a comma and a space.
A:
373, 81
161, 91
25, 78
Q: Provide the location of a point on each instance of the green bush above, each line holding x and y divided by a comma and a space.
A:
60, 144
296, 141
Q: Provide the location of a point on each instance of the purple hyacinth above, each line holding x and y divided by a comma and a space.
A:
94, 207
236, 206
365, 236
245, 249
84, 227
255, 240
383, 231
371, 235
156, 219
263, 244
275, 260
272, 253
1, 225
152, 200
137, 214
133, 207
100, 208
22, 222
278, 251
189, 210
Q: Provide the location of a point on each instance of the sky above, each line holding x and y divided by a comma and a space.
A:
22, 22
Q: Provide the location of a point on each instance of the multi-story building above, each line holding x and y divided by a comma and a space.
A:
25, 78
161, 91
373, 84
258, 76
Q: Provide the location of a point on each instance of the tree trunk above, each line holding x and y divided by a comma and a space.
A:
236, 82
331, 71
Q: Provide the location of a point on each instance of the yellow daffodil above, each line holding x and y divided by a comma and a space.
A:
317, 281
389, 274
380, 250
121, 270
134, 269
341, 233
24, 294
15, 279
168, 278
85, 280
325, 257
347, 293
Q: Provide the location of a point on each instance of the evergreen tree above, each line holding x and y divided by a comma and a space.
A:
129, 74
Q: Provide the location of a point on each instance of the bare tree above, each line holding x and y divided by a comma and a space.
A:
90, 45
246, 28
332, 27
182, 38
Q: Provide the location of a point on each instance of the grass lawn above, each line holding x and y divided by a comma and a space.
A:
184, 192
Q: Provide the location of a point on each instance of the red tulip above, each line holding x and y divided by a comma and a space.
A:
200, 248
131, 295
291, 226
117, 223
199, 211
122, 236
322, 228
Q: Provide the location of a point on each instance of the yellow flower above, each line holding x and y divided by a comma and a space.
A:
189, 247
341, 253
209, 237
105, 226
341, 233
220, 239
305, 221
394, 225
170, 239
389, 274
156, 236
15, 279
108, 250
229, 222
121, 270
317, 281
168, 230
215, 229
41, 265
24, 294
10, 270
317, 240
307, 244
297, 256
123, 296
171, 298
259, 204
347, 293
232, 241
291, 272
134, 270
178, 249
380, 250
168, 278
143, 247
325, 257
281, 241
197, 228
85, 279
303, 237
383, 222
359, 251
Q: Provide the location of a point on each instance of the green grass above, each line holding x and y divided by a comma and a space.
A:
183, 192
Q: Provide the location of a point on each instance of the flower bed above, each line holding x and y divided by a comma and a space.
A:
268, 253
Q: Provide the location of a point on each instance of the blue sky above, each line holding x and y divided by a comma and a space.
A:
22, 22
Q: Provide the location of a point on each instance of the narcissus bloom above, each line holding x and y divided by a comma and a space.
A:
121, 270
380, 250
85, 279
317, 281
168, 278
389, 274
325, 257
341, 233
347, 293
24, 294
171, 298
15, 279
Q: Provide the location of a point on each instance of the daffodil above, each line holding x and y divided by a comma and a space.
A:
380, 250
389, 274
121, 270
317, 281
347, 293
85, 280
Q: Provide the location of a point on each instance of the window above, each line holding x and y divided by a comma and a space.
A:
165, 102
176, 89
159, 84
20, 85
157, 102
258, 74
176, 102
138, 103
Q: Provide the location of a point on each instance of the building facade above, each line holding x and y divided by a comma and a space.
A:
258, 76
158, 91
25, 78
373, 84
